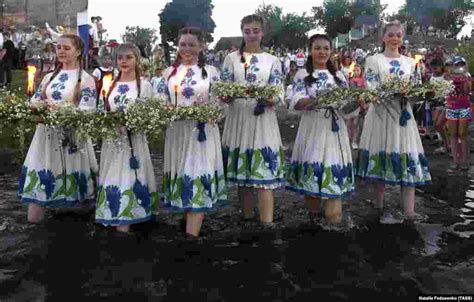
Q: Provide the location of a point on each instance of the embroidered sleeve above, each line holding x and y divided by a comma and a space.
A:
36, 97
214, 77
227, 73
276, 78
88, 94
299, 90
372, 76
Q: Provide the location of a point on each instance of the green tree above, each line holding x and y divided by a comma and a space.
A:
403, 15
180, 13
286, 30
143, 38
453, 18
335, 16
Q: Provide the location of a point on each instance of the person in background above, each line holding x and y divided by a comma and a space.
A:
48, 57
459, 115
6, 63
439, 108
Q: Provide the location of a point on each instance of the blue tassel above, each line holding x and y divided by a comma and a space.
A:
259, 109
334, 125
134, 163
72, 149
202, 133
404, 117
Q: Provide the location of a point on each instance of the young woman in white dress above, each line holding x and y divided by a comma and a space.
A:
252, 147
390, 147
59, 171
321, 164
194, 180
127, 188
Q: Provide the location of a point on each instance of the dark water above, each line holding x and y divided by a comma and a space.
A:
69, 258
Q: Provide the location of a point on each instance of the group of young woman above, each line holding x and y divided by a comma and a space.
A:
198, 165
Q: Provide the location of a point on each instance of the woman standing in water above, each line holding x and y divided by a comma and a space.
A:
252, 147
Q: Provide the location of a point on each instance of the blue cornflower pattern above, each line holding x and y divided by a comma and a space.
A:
143, 194
226, 75
187, 191
190, 73
251, 77
206, 181
396, 68
271, 158
123, 88
88, 94
396, 165
81, 183
249, 155
63, 77
56, 95
113, 197
318, 169
188, 92
48, 181
371, 76
411, 166
22, 179
275, 77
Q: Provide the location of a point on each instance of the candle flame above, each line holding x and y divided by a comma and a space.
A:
418, 58
351, 69
31, 79
175, 87
106, 83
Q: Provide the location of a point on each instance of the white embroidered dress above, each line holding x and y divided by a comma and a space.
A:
56, 174
252, 147
194, 179
127, 186
321, 163
390, 151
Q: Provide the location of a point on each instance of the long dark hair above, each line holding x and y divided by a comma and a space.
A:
309, 62
394, 23
79, 45
246, 20
201, 58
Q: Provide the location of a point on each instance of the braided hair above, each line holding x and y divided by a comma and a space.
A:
201, 58
78, 45
246, 20
309, 62
123, 48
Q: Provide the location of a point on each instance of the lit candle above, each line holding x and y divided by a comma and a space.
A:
176, 95
351, 70
106, 84
246, 66
31, 80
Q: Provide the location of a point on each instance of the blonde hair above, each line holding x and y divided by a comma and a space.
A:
79, 45
126, 47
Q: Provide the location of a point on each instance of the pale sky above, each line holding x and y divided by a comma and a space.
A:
116, 14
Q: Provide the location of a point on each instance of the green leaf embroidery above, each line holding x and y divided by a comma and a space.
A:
33, 177
327, 176
258, 158
101, 198
71, 186
127, 212
197, 199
